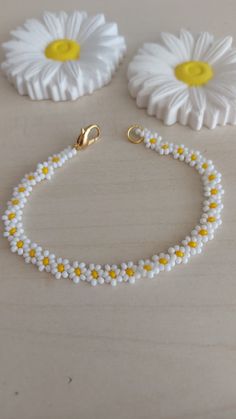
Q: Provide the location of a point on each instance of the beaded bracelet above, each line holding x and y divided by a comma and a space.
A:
127, 272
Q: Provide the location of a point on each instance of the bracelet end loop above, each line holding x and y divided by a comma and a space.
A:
134, 134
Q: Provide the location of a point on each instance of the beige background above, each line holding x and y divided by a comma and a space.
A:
163, 349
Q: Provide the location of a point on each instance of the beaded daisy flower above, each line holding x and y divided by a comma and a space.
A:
190, 79
63, 56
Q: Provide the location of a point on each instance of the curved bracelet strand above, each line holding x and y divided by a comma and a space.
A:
127, 272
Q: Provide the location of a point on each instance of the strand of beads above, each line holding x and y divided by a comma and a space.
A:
127, 272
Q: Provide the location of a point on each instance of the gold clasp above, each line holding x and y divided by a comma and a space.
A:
134, 134
83, 140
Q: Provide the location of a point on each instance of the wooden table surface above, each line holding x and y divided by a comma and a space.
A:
163, 349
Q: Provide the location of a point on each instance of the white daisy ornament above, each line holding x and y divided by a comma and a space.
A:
190, 79
63, 56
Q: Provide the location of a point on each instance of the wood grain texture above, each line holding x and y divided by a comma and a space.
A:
163, 349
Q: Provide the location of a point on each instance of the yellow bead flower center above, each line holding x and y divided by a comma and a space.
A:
15, 201
45, 170
60, 267
46, 261
129, 271
179, 253
192, 244
163, 261
147, 267
153, 140
20, 244
77, 271
63, 50
94, 274
112, 274
213, 205
12, 231
194, 73
32, 253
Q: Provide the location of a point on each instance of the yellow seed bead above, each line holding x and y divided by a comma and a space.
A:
165, 146
45, 170
163, 261
192, 244
21, 189
211, 219
179, 254
32, 253
147, 267
211, 177
11, 216
20, 244
112, 274
203, 232
95, 274
213, 205
13, 231
60, 267
78, 271
55, 159
180, 150
15, 201
214, 191
204, 165
31, 177
46, 261
193, 157
129, 271
153, 140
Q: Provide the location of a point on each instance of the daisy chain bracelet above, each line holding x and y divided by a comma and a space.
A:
127, 272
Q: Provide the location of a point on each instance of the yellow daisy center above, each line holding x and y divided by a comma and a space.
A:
45, 261
163, 261
211, 177
12, 231
213, 205
31, 177
193, 157
55, 159
153, 140
32, 253
147, 267
77, 271
211, 219
60, 267
45, 170
112, 274
129, 271
194, 73
203, 232
94, 274
21, 189
63, 50
204, 165
214, 191
192, 244
15, 201
11, 216
165, 146
20, 244
180, 150
179, 253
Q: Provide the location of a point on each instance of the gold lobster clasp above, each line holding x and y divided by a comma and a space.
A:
86, 138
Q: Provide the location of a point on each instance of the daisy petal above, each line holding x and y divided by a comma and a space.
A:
88, 26
53, 25
198, 98
73, 25
188, 41
160, 52
217, 50
175, 45
202, 44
